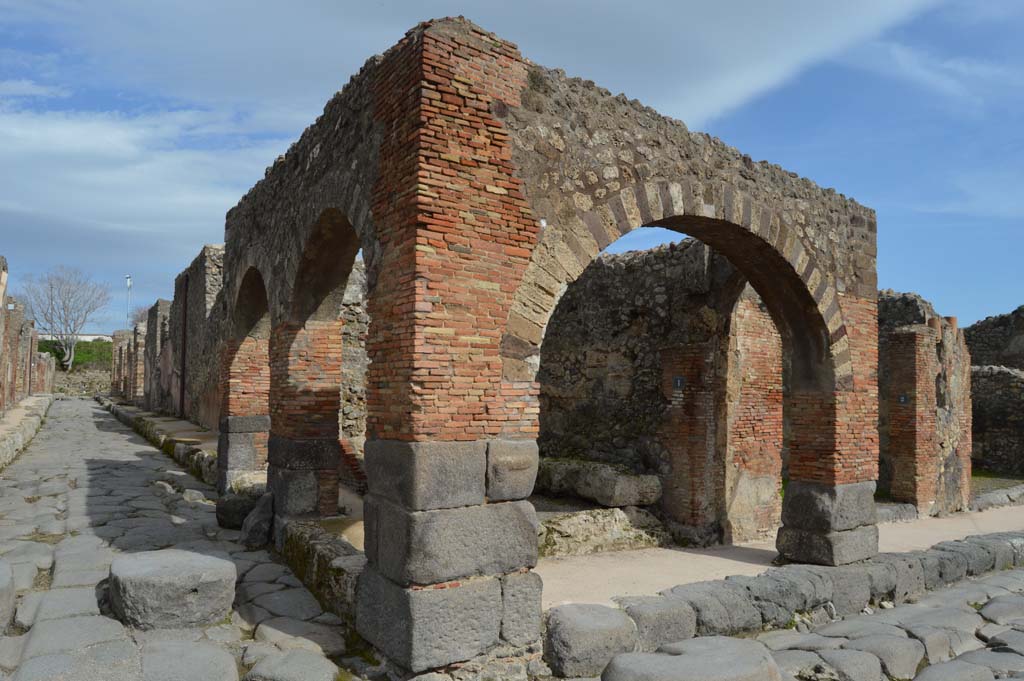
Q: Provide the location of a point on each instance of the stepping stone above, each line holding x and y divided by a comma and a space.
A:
295, 665
267, 572
10, 650
171, 589
854, 665
27, 609
709, 658
287, 633
181, 661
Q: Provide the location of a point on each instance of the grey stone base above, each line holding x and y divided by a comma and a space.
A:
237, 458
828, 548
429, 547
421, 629
829, 508
296, 493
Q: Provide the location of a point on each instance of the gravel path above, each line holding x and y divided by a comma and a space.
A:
87, 490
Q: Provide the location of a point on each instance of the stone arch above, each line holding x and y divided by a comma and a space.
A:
305, 450
801, 299
245, 387
753, 237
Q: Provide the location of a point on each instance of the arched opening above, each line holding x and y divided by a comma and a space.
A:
828, 510
245, 389
661, 370
307, 453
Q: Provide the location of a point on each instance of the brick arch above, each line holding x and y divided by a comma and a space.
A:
305, 451
755, 238
245, 387
828, 466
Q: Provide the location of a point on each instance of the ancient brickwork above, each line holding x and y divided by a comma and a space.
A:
998, 399
756, 427
478, 186
195, 336
925, 406
137, 366
998, 341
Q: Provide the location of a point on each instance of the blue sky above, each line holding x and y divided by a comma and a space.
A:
126, 133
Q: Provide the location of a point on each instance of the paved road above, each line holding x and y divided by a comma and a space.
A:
86, 490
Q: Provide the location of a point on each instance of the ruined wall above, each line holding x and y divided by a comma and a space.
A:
196, 335
622, 335
756, 441
355, 363
156, 388
997, 352
998, 341
924, 407
998, 397
23, 370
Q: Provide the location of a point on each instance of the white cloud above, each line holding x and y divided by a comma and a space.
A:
23, 87
970, 81
119, 172
697, 60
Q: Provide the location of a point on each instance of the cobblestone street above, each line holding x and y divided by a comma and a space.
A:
86, 492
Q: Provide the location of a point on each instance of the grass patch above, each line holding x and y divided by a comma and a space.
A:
97, 354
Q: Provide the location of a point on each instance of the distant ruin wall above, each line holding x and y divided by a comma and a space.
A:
998, 341
24, 370
156, 385
998, 395
924, 406
196, 335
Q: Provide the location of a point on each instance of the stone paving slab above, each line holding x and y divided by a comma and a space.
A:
88, 491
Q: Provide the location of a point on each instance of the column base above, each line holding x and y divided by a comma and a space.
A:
828, 548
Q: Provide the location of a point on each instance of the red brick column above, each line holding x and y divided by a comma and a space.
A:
245, 412
304, 449
828, 512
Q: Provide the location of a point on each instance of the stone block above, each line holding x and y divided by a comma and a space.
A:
511, 469
294, 665
1003, 554
582, 638
979, 559
232, 509
245, 424
306, 455
908, 575
829, 508
235, 452
422, 629
427, 547
851, 587
258, 525
424, 476
721, 607
660, 620
600, 482
712, 658
521, 608
296, 492
828, 548
171, 589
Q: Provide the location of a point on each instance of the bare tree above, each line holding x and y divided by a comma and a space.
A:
62, 302
140, 314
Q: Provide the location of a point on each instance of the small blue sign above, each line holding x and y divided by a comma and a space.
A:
678, 382
904, 399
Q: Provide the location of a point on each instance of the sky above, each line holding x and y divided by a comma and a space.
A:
128, 129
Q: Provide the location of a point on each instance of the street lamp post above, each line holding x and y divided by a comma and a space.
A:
128, 303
